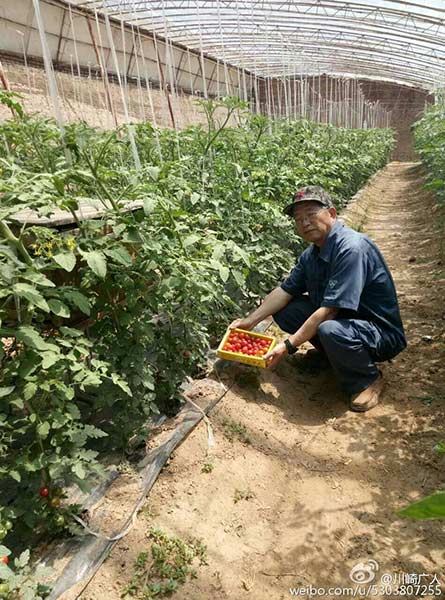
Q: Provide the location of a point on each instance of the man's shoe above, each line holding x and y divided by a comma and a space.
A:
368, 398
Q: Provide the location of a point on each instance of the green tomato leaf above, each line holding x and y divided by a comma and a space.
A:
149, 205
32, 338
5, 571
38, 278
431, 507
29, 390
78, 470
121, 383
191, 239
15, 475
439, 448
5, 391
18, 402
239, 277
120, 255
43, 429
22, 560
49, 359
58, 308
224, 273
78, 300
154, 172
70, 332
97, 262
66, 260
24, 290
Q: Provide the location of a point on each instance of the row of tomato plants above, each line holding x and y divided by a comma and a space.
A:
429, 143
152, 293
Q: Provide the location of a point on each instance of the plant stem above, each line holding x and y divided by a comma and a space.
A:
6, 232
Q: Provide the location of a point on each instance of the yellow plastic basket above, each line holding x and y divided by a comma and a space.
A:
256, 361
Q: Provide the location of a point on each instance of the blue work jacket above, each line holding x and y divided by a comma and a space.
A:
348, 272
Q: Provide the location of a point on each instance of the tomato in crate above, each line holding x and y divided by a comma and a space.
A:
246, 347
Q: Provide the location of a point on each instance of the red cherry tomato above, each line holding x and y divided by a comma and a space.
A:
5, 560
44, 492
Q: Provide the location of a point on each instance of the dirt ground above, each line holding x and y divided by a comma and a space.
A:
302, 489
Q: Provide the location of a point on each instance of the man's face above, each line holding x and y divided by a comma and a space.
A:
313, 221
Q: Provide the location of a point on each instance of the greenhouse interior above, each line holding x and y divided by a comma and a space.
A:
222, 279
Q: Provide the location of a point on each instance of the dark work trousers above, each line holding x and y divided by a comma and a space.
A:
349, 344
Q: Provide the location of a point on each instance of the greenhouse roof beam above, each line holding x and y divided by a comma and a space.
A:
303, 7
380, 48
275, 69
405, 36
334, 24
421, 61
411, 42
342, 68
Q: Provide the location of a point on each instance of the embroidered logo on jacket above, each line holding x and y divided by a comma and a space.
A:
332, 283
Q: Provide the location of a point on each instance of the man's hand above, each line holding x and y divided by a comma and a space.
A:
272, 303
244, 323
273, 357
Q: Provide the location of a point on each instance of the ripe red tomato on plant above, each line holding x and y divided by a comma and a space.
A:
44, 492
5, 560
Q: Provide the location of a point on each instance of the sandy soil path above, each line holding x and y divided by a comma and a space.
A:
301, 488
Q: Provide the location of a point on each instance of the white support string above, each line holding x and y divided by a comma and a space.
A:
142, 116
51, 79
150, 99
134, 150
76, 53
201, 50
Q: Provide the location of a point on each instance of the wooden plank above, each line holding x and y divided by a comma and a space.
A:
87, 210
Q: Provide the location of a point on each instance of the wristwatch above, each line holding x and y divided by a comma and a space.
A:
291, 349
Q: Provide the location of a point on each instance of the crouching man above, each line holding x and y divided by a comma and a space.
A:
340, 296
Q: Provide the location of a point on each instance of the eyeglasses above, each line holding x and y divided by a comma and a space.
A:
307, 216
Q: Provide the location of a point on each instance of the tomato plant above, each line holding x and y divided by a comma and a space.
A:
429, 143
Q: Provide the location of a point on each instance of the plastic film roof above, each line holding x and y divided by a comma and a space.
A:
397, 40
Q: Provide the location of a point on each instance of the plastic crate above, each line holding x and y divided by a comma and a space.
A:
256, 361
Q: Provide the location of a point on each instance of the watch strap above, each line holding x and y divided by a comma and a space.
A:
291, 349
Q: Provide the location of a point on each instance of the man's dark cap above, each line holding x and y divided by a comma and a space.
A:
310, 193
